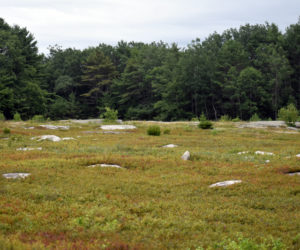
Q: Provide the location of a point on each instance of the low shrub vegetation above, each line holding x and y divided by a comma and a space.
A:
6, 131
204, 123
154, 130
2, 117
237, 119
225, 118
38, 118
255, 118
157, 200
17, 117
288, 114
167, 131
110, 115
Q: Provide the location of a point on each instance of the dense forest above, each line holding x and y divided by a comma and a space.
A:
253, 69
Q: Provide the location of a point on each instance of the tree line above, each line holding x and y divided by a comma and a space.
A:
251, 70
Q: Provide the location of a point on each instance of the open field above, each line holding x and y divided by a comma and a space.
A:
157, 201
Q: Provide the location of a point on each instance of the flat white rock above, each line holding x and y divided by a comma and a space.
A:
15, 175
117, 127
263, 153
296, 173
104, 166
55, 127
67, 138
225, 183
170, 146
29, 128
292, 128
28, 149
244, 152
263, 124
186, 156
47, 137
298, 155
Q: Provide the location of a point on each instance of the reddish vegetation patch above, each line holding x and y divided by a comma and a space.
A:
20, 156
287, 169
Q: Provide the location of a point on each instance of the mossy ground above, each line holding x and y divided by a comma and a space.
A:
158, 201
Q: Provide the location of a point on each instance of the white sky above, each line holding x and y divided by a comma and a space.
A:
84, 23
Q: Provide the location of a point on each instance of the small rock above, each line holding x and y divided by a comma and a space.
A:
117, 127
292, 128
225, 183
263, 153
298, 155
67, 138
55, 127
91, 132
112, 132
28, 127
15, 175
104, 166
244, 152
295, 173
186, 156
262, 124
170, 146
28, 149
267, 161
47, 137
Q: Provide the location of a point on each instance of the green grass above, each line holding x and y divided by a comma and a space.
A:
158, 201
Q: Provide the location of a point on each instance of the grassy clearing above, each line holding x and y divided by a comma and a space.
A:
158, 201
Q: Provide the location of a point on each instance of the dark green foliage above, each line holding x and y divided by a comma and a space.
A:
153, 130
6, 131
98, 73
239, 73
288, 114
20, 73
2, 117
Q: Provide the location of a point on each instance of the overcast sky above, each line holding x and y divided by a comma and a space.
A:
84, 23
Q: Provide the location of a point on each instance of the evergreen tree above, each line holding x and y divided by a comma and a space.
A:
98, 73
20, 73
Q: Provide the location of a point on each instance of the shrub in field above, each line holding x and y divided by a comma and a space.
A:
237, 119
288, 114
6, 131
153, 130
17, 117
202, 117
255, 118
204, 123
225, 118
247, 244
38, 118
167, 131
195, 119
109, 114
2, 117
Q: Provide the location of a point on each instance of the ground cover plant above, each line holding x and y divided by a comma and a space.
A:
157, 200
